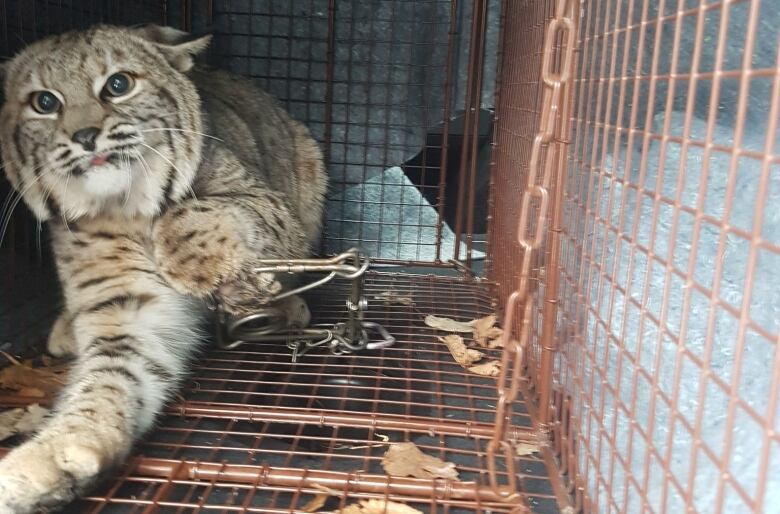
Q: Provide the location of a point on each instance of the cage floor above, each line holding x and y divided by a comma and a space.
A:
253, 432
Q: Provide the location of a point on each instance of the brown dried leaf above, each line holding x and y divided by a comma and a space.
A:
392, 297
523, 448
480, 328
463, 355
21, 421
484, 330
32, 391
31, 419
489, 368
316, 503
19, 376
8, 421
447, 324
498, 342
319, 499
378, 507
406, 460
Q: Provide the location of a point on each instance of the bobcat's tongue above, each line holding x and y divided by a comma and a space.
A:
98, 160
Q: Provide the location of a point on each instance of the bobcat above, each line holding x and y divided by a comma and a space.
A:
161, 183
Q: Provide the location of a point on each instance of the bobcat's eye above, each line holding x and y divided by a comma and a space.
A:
118, 84
44, 102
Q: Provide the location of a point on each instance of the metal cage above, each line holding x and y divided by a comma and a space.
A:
600, 173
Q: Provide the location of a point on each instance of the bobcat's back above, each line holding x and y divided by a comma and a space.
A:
266, 140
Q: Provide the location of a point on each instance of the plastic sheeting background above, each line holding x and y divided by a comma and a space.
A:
389, 87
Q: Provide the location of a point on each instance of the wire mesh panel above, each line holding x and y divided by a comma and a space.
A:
519, 113
669, 367
379, 84
252, 431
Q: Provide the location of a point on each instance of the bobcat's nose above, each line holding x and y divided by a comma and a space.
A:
86, 137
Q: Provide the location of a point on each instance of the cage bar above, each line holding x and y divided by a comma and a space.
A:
628, 174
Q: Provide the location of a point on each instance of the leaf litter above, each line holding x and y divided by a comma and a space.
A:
462, 354
407, 460
393, 297
319, 499
489, 369
522, 449
466, 357
26, 380
378, 507
22, 420
447, 324
484, 331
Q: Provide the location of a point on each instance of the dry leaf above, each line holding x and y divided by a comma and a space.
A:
390, 297
31, 419
8, 421
496, 343
489, 368
316, 503
319, 499
485, 330
406, 460
19, 376
447, 324
21, 421
378, 507
522, 448
463, 355
32, 391
481, 326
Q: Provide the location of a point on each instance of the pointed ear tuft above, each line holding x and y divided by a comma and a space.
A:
182, 56
177, 46
160, 34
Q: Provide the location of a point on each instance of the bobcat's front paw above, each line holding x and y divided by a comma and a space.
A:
197, 250
248, 292
45, 474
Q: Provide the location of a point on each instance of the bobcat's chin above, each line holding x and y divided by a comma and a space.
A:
107, 179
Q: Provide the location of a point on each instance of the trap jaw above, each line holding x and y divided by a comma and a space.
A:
270, 324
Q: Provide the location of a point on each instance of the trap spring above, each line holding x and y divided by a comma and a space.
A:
270, 324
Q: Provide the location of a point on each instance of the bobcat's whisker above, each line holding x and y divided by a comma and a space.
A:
182, 130
9, 199
144, 165
6, 215
126, 162
172, 165
62, 211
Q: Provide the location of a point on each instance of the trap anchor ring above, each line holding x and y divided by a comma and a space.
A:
270, 324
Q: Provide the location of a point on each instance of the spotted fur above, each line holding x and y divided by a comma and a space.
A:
195, 174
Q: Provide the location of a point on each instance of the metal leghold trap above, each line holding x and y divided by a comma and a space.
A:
270, 324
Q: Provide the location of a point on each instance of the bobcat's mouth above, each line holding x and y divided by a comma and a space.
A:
100, 160
115, 156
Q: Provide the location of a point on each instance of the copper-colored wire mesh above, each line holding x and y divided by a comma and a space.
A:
254, 431
652, 342
664, 391
372, 81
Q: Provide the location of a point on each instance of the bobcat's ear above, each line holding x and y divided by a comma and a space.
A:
178, 47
